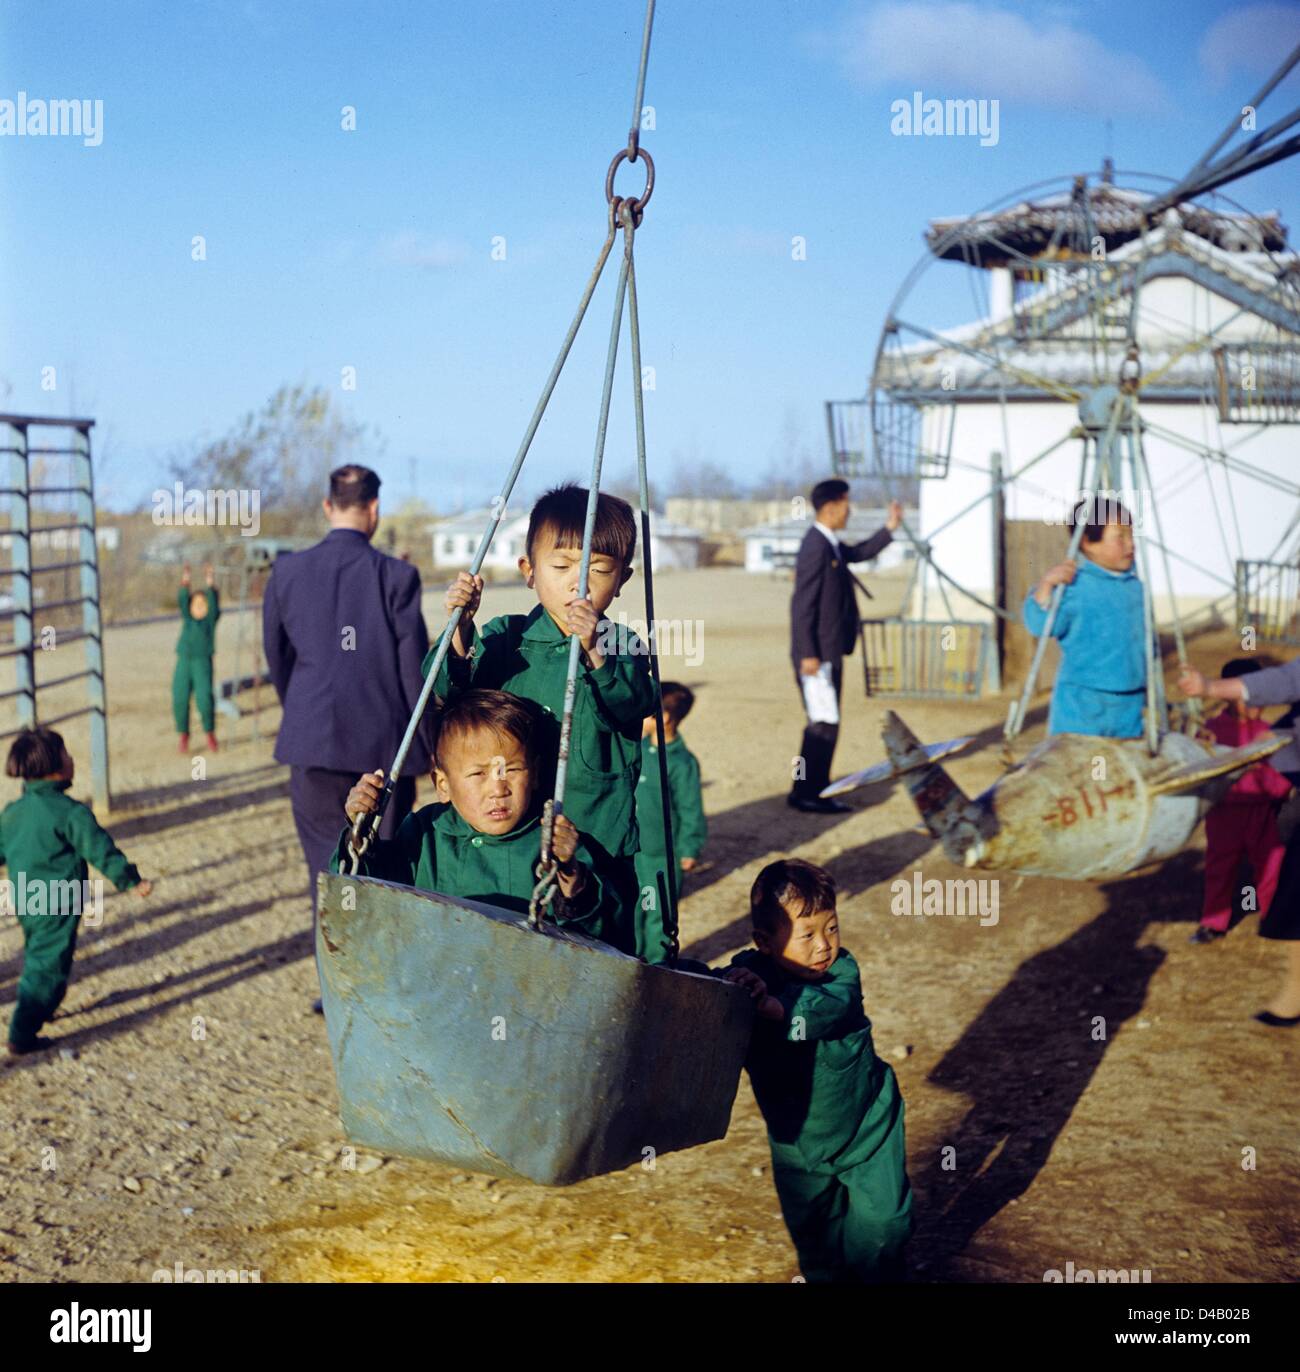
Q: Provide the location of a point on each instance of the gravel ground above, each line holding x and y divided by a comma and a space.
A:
189, 1115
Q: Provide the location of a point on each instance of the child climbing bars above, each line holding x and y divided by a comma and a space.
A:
200, 611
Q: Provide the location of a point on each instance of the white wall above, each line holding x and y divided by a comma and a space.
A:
1187, 506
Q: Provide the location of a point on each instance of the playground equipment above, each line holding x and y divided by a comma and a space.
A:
1078, 807
1126, 338
44, 619
462, 1033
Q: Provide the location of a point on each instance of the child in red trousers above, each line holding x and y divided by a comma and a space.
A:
1244, 822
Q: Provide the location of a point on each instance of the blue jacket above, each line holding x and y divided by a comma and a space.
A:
1100, 628
345, 707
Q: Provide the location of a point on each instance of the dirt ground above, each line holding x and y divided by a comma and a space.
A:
190, 1116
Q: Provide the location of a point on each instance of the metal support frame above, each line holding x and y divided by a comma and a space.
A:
20, 493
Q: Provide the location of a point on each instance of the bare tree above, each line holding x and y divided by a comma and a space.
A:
286, 451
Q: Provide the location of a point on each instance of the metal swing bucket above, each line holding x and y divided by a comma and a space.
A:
462, 1036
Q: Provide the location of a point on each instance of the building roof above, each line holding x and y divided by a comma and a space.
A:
473, 522
1050, 333
1057, 224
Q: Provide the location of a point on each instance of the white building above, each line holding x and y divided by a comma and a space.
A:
1218, 335
62, 540
673, 547
456, 540
772, 546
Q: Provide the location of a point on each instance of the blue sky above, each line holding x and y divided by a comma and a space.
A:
372, 248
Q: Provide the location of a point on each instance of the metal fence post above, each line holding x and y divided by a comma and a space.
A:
89, 570
20, 581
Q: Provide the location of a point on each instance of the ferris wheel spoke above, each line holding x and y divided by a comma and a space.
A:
1042, 383
1007, 481
1225, 459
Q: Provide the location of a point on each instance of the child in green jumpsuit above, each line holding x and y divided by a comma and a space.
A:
528, 655
833, 1109
200, 611
686, 809
46, 839
482, 840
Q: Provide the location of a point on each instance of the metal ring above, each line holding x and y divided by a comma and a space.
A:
644, 198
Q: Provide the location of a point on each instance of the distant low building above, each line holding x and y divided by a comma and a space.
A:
456, 540
673, 547
63, 539
772, 546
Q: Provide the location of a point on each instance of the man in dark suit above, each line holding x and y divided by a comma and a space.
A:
823, 629
344, 639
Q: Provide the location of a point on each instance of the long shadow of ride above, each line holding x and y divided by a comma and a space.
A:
1029, 1055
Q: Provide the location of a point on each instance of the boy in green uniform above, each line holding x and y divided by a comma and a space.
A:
528, 655
687, 810
200, 611
482, 841
833, 1109
46, 839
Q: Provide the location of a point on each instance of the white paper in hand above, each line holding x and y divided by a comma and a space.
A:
819, 697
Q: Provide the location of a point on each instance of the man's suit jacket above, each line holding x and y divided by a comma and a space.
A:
823, 611
345, 707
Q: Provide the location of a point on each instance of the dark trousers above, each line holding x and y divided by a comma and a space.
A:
317, 796
818, 744
50, 941
192, 677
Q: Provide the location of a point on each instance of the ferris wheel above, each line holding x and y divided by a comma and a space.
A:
1116, 335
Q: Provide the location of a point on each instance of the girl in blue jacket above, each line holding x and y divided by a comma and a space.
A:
1101, 686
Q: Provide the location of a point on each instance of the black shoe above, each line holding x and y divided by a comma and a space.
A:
815, 805
1204, 934
37, 1045
1277, 1021
317, 1008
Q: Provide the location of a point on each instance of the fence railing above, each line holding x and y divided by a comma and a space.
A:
1268, 600
920, 658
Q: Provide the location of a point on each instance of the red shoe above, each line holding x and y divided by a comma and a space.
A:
185, 744
212, 743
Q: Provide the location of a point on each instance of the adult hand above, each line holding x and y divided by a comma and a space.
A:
809, 666
1190, 681
895, 516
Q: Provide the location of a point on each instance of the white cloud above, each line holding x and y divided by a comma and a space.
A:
954, 49
1253, 39
413, 249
